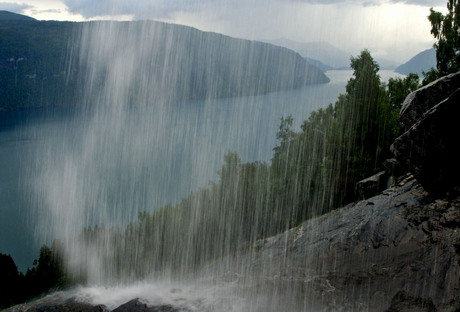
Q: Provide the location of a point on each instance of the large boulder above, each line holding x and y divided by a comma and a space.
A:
58, 303
429, 147
138, 305
418, 102
373, 185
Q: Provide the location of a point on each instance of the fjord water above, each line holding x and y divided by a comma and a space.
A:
134, 146
142, 156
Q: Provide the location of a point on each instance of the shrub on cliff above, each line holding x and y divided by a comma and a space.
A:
446, 30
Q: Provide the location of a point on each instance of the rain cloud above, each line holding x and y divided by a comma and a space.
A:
427, 3
163, 9
138, 9
14, 7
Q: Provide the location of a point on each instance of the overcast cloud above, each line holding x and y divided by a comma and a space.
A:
165, 8
377, 2
14, 7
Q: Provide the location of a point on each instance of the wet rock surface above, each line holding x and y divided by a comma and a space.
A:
373, 185
138, 305
57, 302
60, 302
423, 99
398, 251
403, 302
429, 146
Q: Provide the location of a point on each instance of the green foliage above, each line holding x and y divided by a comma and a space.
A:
361, 114
46, 274
399, 88
446, 30
9, 282
315, 170
209, 224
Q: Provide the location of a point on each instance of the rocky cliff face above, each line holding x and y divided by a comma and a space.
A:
429, 146
398, 249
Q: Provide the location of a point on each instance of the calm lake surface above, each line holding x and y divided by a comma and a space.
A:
192, 139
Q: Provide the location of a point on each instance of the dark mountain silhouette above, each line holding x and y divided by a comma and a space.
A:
41, 63
422, 62
5, 15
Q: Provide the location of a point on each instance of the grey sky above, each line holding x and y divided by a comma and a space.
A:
163, 8
14, 7
392, 29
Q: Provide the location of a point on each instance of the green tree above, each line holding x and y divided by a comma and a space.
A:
400, 88
47, 272
229, 172
446, 30
316, 170
366, 124
10, 280
45, 275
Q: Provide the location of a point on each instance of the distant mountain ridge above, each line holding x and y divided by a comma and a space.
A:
420, 63
323, 52
326, 56
6, 15
40, 63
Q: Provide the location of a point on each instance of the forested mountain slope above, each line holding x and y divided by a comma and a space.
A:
44, 63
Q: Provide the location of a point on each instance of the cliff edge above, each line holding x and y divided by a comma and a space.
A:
396, 251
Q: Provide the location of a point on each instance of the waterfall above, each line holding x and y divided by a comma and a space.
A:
103, 184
